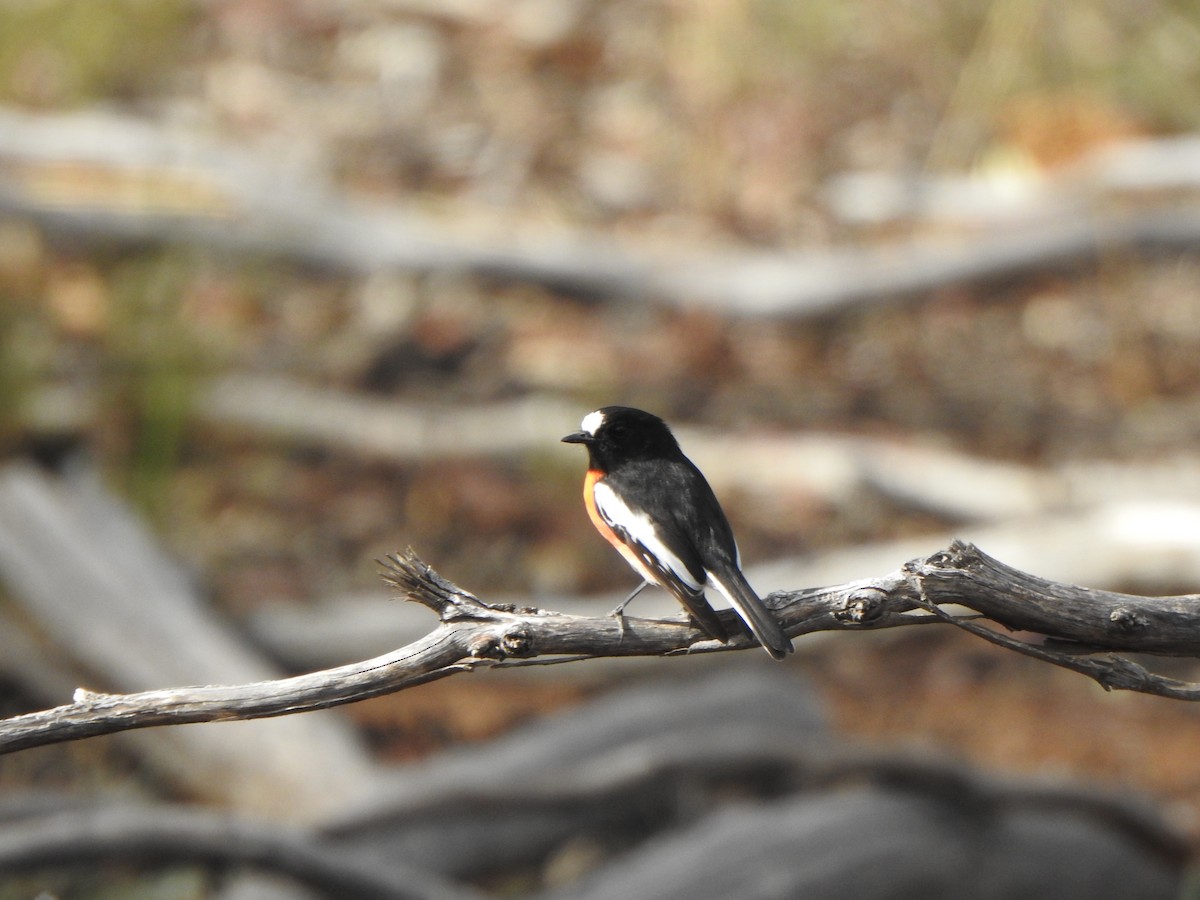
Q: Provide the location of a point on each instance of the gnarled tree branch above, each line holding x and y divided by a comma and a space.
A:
473, 633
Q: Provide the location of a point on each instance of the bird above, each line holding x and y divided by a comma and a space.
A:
656, 508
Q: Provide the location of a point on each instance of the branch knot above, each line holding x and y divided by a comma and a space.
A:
515, 641
863, 606
1126, 620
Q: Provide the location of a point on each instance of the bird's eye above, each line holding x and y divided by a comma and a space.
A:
616, 431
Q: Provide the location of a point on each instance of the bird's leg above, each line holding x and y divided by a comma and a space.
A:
619, 612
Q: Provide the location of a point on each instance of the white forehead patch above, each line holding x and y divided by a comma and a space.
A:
591, 422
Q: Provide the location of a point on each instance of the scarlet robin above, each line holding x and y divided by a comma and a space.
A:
655, 507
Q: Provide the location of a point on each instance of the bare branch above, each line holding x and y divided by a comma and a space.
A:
473, 633
1094, 620
1023, 602
1111, 672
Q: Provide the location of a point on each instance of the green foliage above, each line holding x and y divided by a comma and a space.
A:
16, 368
155, 360
112, 882
66, 52
1141, 60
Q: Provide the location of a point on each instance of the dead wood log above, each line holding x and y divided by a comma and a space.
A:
653, 767
633, 761
113, 609
105, 179
653, 758
156, 837
379, 427
882, 843
633, 767
1018, 198
830, 466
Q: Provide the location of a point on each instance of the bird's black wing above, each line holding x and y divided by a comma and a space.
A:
633, 504
689, 518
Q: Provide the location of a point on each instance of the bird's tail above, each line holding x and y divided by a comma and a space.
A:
761, 621
701, 613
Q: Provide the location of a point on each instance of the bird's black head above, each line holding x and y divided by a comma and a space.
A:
615, 434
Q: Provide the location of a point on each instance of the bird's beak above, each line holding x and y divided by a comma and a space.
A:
579, 437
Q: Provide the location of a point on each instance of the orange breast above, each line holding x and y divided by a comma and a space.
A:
589, 500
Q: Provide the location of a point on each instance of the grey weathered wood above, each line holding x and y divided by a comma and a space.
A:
832, 467
110, 607
613, 763
1144, 543
1094, 618
94, 713
648, 760
473, 633
382, 427
937, 840
158, 836
213, 195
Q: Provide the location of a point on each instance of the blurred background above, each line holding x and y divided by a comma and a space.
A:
288, 286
